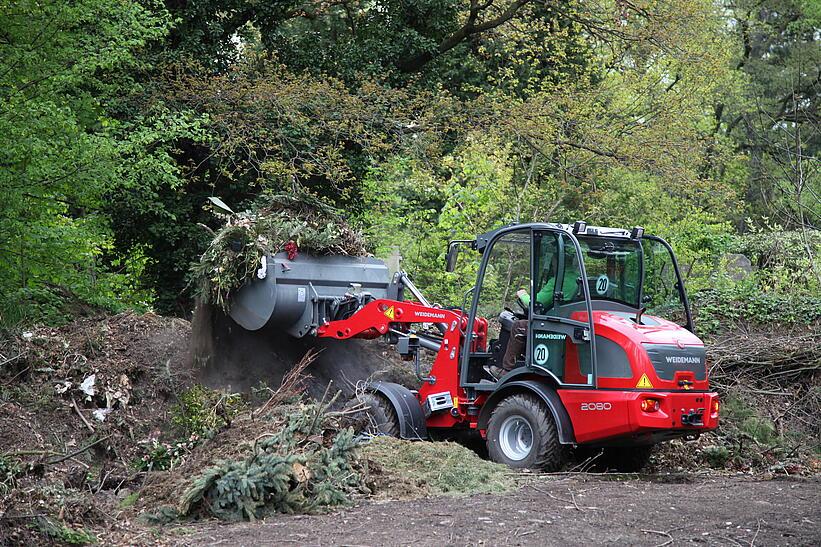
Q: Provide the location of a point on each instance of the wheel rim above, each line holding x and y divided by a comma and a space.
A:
516, 438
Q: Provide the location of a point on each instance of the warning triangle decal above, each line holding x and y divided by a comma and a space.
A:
644, 382
390, 313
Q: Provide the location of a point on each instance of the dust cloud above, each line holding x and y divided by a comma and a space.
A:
227, 356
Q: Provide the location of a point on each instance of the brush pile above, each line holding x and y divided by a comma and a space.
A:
293, 223
400, 469
78, 406
769, 378
295, 459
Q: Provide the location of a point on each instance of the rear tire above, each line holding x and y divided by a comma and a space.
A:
521, 433
627, 459
380, 416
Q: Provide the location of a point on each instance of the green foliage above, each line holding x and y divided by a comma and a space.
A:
439, 467
747, 437
774, 117
787, 261
10, 469
781, 289
717, 456
296, 223
156, 207
129, 500
748, 421
57, 153
435, 118
721, 308
201, 412
289, 471
62, 533
160, 456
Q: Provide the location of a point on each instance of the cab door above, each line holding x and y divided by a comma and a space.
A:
561, 338
504, 270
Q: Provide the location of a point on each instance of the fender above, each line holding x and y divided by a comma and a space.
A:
546, 393
408, 410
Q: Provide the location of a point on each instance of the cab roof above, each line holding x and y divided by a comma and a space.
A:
579, 228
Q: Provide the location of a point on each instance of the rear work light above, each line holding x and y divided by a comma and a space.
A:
650, 405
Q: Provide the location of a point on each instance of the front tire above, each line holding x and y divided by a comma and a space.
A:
380, 416
522, 434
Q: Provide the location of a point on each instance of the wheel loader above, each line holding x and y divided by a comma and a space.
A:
609, 359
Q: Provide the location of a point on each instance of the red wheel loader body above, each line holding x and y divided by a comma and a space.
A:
597, 356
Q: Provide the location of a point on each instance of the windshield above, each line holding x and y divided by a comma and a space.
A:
634, 273
663, 292
613, 269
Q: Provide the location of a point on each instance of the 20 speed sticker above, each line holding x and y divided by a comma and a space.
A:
602, 284
540, 354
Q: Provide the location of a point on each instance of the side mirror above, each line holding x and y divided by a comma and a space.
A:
452, 256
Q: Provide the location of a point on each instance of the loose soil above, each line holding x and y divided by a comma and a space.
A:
558, 510
226, 356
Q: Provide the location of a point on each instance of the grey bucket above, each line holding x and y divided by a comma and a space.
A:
299, 295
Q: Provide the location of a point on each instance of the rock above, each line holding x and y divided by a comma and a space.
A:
738, 266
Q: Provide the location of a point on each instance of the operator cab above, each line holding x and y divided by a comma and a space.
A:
553, 278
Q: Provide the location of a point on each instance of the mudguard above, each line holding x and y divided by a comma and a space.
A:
408, 410
545, 393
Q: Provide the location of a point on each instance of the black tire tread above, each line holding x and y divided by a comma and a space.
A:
381, 414
550, 453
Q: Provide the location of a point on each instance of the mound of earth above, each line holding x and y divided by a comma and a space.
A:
76, 402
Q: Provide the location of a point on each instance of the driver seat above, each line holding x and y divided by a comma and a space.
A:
499, 347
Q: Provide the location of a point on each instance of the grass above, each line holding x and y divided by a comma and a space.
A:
418, 468
129, 500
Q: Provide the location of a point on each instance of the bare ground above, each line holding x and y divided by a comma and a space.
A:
557, 510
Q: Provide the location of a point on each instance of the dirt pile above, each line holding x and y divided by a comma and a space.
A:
75, 402
103, 424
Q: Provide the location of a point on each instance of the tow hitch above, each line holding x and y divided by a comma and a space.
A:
694, 417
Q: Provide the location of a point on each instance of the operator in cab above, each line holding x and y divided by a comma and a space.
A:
545, 298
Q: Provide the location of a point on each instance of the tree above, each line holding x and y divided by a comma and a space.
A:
776, 121
59, 66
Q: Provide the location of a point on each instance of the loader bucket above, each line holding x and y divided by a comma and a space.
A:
299, 295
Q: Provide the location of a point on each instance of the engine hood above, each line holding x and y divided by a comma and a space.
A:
662, 355
652, 330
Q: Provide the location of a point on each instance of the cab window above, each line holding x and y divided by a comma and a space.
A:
507, 271
662, 294
613, 268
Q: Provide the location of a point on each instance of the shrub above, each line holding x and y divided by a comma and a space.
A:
201, 411
160, 456
9, 471
716, 456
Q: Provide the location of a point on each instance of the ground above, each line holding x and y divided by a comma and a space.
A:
69, 476
558, 510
